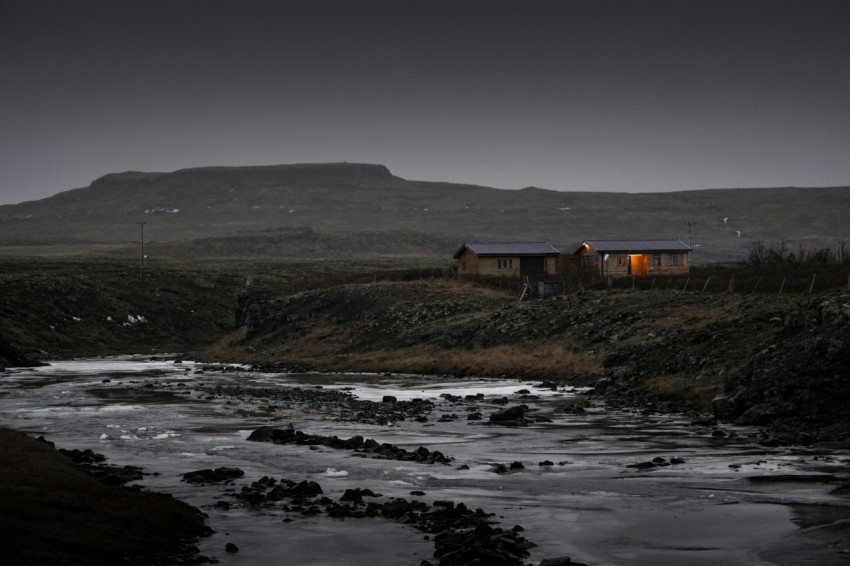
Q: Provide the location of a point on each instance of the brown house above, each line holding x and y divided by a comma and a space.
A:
619, 258
519, 259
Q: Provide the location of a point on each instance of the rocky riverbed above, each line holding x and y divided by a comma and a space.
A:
528, 472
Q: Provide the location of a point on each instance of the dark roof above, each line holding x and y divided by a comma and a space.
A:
512, 248
636, 246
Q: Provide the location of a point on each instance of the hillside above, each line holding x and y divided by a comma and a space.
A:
343, 209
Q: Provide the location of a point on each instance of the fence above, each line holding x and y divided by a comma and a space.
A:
741, 279
735, 279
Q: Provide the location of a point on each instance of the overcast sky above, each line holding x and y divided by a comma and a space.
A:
588, 95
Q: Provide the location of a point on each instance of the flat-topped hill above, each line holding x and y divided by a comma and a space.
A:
361, 209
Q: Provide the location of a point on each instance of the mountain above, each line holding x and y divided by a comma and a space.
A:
353, 209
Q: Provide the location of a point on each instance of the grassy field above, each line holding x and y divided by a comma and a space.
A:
52, 513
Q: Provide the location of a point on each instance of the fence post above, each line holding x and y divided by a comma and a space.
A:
731, 280
812, 286
756, 286
685, 288
782, 286
704, 287
633, 282
651, 285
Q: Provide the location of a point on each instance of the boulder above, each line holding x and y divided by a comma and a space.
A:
262, 434
515, 413
213, 476
724, 408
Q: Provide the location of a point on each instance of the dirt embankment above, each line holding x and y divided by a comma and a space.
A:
769, 360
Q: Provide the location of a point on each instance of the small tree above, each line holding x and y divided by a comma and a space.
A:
757, 252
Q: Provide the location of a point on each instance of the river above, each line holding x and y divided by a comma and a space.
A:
705, 510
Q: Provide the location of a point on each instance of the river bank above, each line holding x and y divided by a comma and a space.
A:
764, 360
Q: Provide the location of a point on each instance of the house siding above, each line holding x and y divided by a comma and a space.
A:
467, 263
508, 265
489, 265
668, 267
618, 264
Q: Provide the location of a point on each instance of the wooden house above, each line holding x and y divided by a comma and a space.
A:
519, 259
619, 258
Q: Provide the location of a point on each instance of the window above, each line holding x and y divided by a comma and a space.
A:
619, 260
674, 259
505, 263
655, 261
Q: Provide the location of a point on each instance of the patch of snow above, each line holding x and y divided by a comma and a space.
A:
332, 473
725, 220
161, 209
108, 319
739, 233
76, 318
134, 319
563, 208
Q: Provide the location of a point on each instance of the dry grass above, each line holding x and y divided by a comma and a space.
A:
323, 347
53, 513
539, 361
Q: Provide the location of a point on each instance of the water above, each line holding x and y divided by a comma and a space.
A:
161, 416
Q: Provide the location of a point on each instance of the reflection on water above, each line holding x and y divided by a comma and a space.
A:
575, 494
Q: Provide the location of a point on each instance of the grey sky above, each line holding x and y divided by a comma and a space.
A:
596, 95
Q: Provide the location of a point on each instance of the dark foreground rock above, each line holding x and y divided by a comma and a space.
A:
89, 522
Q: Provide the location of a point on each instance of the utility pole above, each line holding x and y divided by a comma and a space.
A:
690, 238
142, 270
